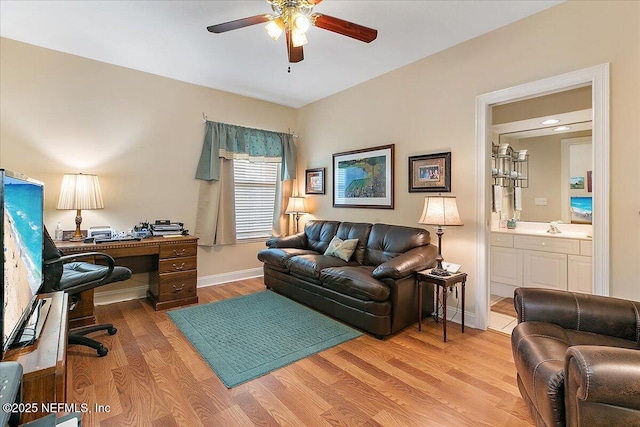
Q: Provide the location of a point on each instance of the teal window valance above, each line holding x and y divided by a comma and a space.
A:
227, 141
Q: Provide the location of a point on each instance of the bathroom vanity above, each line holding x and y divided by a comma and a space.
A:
529, 256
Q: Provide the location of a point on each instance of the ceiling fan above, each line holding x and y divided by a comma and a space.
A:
293, 17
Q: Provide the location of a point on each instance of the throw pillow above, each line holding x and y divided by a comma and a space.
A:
342, 249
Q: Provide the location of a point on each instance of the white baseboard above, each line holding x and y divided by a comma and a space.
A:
232, 276
454, 316
137, 292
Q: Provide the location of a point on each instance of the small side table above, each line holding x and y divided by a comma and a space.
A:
444, 282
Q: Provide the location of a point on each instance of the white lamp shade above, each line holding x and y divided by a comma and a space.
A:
440, 210
296, 205
80, 191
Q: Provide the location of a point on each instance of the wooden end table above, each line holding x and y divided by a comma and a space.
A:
444, 282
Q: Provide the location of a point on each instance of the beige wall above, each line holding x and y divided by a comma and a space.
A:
142, 134
429, 106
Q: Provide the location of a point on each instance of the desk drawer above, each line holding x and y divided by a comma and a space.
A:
178, 250
176, 265
176, 286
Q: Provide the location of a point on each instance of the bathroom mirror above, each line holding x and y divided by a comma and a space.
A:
554, 131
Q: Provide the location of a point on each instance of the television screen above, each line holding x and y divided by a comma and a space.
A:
21, 204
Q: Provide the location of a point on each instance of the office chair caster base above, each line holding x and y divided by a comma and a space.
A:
102, 351
112, 331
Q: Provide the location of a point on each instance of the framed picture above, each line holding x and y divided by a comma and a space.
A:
364, 178
430, 173
314, 179
576, 183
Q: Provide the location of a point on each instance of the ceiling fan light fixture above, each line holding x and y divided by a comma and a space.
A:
301, 22
298, 38
274, 28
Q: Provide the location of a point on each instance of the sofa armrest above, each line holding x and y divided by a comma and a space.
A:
602, 384
410, 262
580, 312
298, 241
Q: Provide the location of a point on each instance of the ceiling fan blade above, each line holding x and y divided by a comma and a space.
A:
239, 23
346, 28
296, 54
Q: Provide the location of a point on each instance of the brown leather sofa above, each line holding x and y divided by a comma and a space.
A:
578, 358
373, 290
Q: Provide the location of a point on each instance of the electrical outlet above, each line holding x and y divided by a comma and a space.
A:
541, 201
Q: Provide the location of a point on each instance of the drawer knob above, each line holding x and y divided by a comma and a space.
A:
178, 289
182, 252
179, 267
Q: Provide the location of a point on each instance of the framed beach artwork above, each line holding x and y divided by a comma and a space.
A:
314, 179
364, 178
581, 210
430, 173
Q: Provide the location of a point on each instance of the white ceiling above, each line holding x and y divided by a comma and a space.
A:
169, 38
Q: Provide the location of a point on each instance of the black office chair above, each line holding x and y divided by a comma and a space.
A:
65, 273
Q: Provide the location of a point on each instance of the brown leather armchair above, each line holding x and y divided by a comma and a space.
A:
577, 358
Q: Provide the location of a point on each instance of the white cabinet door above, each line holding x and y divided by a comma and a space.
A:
545, 270
506, 265
580, 274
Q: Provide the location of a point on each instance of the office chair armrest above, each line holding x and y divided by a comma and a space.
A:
74, 257
99, 255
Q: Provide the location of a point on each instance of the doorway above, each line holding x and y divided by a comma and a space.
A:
598, 78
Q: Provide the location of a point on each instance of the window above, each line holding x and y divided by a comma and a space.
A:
255, 193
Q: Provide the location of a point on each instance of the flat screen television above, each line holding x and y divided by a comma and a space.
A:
21, 232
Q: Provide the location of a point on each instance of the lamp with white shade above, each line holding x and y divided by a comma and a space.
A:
440, 211
296, 206
78, 192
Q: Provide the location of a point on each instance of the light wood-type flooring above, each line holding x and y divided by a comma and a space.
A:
152, 376
504, 306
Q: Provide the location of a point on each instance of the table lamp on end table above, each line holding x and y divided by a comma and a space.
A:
440, 211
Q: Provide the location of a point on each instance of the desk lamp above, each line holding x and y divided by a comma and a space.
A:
440, 210
296, 206
79, 192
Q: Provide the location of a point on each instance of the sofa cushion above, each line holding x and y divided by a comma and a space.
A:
356, 282
319, 234
277, 258
388, 241
308, 267
356, 230
342, 249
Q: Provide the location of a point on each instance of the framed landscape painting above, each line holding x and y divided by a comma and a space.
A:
314, 179
364, 178
430, 173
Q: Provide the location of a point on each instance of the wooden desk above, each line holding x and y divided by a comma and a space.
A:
172, 262
44, 363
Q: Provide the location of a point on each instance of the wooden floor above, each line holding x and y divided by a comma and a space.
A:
504, 306
152, 376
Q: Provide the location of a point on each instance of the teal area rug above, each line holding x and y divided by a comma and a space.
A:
246, 337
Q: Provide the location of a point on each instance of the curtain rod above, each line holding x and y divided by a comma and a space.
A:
205, 119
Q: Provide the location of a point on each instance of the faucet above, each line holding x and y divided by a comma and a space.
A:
553, 228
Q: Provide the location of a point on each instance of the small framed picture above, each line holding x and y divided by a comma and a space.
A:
430, 173
314, 179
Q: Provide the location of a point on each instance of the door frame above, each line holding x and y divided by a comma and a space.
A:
596, 76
